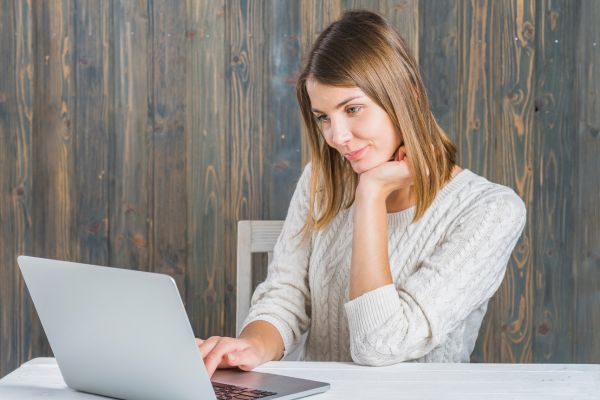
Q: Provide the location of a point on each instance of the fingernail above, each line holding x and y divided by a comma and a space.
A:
231, 356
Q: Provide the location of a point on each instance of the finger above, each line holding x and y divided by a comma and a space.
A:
401, 153
207, 345
216, 358
212, 362
199, 342
213, 358
246, 359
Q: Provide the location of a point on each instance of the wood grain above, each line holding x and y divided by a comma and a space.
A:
555, 163
246, 132
129, 159
404, 16
91, 128
207, 175
54, 200
511, 71
494, 140
439, 57
473, 89
168, 203
16, 111
472, 129
282, 119
585, 231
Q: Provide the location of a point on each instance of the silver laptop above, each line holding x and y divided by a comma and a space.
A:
125, 334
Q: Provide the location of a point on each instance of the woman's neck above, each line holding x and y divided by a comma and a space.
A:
405, 198
401, 200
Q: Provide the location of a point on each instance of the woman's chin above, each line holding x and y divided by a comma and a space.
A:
361, 166
357, 170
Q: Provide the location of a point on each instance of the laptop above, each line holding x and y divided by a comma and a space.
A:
125, 334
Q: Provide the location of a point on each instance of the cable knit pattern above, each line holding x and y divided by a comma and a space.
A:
445, 267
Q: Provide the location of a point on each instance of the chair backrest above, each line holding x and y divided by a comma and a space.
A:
252, 237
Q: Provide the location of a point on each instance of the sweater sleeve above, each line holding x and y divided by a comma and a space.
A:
400, 322
283, 299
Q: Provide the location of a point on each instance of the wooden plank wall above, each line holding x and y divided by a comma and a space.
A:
137, 133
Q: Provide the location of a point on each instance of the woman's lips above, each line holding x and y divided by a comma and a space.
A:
355, 155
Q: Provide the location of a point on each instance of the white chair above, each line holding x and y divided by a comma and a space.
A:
255, 237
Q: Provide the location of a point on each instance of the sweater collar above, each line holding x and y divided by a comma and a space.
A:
405, 217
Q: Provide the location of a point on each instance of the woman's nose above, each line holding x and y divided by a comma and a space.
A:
340, 135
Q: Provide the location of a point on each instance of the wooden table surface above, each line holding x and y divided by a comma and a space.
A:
41, 378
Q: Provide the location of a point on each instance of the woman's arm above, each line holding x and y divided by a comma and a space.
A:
258, 343
370, 267
266, 338
395, 323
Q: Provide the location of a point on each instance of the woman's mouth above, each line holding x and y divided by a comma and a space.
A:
355, 155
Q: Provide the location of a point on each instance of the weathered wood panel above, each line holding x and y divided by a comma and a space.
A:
474, 86
54, 200
439, 57
168, 207
556, 166
472, 129
584, 234
91, 127
404, 16
494, 140
129, 154
206, 131
282, 120
511, 70
246, 137
16, 110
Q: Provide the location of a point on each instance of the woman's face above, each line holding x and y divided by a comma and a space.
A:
353, 124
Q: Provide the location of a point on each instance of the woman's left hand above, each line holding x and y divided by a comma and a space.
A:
387, 177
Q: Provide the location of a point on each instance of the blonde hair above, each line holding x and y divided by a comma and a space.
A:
362, 49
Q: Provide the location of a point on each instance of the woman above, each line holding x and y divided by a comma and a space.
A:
389, 251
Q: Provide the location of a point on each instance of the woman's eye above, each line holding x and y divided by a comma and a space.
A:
353, 109
322, 118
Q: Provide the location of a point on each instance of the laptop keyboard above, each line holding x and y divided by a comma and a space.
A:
231, 392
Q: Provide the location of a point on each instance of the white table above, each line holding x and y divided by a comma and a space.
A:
41, 378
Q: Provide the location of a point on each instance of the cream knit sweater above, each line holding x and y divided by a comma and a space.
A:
445, 268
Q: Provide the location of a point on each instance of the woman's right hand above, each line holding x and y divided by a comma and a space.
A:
227, 352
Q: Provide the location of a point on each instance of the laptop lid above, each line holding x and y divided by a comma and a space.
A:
98, 322
125, 334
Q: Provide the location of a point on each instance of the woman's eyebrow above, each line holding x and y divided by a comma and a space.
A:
340, 104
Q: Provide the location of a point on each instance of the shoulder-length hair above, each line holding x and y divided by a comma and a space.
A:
362, 49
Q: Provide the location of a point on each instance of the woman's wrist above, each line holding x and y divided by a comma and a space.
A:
256, 342
369, 193
259, 334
